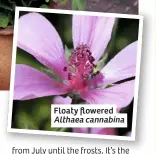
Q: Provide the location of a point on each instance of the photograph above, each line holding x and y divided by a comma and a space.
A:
72, 57
7, 11
77, 76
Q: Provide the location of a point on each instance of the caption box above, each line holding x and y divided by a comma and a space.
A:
87, 116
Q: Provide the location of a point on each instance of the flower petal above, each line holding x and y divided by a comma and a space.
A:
62, 100
98, 80
38, 37
102, 36
121, 95
83, 29
122, 66
88, 29
102, 131
80, 130
31, 83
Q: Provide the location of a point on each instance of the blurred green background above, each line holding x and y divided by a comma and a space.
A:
7, 7
35, 114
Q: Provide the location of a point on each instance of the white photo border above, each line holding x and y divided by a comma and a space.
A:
71, 134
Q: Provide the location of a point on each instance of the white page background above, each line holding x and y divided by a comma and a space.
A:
145, 134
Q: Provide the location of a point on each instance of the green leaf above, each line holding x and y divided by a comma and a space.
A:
122, 41
23, 57
63, 1
42, 108
4, 20
101, 63
67, 52
24, 121
44, 6
78, 4
74, 5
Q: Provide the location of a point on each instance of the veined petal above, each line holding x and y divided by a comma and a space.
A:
98, 80
62, 100
102, 131
83, 28
37, 36
80, 130
120, 95
31, 83
122, 66
92, 31
102, 36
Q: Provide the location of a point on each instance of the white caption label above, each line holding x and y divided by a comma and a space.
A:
87, 116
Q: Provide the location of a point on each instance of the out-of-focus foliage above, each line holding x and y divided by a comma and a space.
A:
78, 4
63, 1
25, 58
35, 114
7, 9
44, 6
4, 20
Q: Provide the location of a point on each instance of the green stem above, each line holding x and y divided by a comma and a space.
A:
23, 3
62, 129
3, 6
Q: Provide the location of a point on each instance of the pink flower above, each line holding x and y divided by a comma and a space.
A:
102, 131
91, 35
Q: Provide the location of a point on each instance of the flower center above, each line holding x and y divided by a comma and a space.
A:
80, 67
